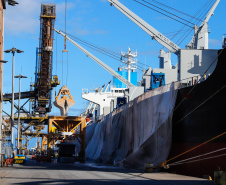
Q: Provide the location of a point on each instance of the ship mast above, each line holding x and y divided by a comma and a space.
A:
130, 62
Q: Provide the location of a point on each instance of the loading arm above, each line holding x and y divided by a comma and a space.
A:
115, 74
159, 37
195, 38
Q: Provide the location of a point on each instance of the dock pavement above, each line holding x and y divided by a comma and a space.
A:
40, 173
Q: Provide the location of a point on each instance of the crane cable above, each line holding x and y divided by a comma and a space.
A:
168, 12
56, 70
102, 50
62, 68
164, 14
56, 55
66, 38
175, 9
198, 20
65, 44
201, 16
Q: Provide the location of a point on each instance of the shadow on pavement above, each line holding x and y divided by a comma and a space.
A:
113, 182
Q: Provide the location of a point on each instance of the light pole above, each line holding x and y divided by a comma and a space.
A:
13, 51
1, 99
18, 122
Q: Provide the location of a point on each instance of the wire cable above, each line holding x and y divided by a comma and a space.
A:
175, 10
203, 13
102, 50
62, 68
168, 12
65, 16
56, 54
182, 161
67, 69
163, 13
198, 160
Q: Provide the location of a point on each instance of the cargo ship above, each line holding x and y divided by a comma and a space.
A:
173, 118
139, 133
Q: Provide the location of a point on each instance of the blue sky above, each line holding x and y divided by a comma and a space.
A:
99, 23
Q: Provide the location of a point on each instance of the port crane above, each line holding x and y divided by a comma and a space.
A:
155, 34
102, 64
200, 37
197, 42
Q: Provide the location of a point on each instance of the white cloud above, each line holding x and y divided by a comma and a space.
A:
22, 18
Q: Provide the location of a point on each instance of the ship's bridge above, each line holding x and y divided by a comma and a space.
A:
103, 99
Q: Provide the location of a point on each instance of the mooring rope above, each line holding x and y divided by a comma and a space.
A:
164, 163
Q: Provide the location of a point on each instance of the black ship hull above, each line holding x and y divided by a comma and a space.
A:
200, 116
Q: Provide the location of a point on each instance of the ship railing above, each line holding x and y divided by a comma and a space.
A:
118, 86
187, 82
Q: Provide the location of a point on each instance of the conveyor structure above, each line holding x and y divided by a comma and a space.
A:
40, 92
44, 60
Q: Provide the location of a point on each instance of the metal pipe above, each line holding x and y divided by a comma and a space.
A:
13, 50
12, 105
19, 127
18, 124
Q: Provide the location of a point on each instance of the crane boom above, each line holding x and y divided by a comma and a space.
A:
200, 28
211, 12
110, 70
159, 37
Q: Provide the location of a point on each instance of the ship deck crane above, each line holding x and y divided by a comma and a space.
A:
197, 42
155, 34
200, 38
102, 64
